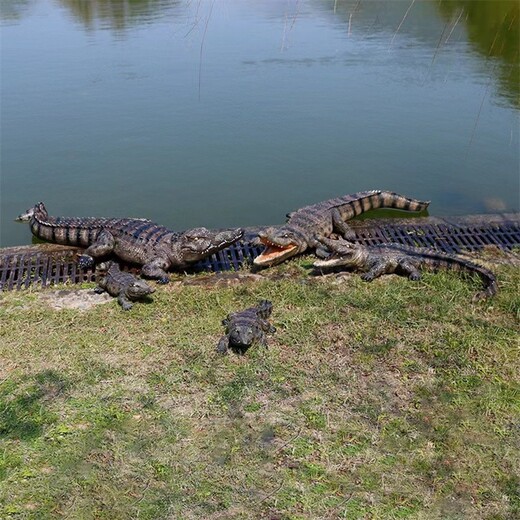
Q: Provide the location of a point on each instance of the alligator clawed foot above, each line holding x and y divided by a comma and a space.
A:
163, 280
367, 277
223, 345
85, 262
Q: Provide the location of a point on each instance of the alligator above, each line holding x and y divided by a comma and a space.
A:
376, 260
135, 240
246, 328
125, 286
306, 226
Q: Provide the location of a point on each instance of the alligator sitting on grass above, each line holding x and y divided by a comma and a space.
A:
139, 241
402, 260
125, 286
306, 226
246, 328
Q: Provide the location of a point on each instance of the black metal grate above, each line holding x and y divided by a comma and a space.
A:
442, 236
33, 266
49, 264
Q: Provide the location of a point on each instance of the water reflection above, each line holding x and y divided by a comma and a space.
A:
493, 27
14, 9
254, 108
116, 14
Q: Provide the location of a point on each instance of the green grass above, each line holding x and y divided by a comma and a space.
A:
387, 400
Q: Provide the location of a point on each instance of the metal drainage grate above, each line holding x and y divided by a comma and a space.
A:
40, 265
450, 235
49, 264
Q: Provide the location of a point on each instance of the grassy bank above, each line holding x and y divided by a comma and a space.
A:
385, 400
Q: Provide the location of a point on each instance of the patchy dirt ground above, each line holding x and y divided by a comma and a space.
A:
82, 299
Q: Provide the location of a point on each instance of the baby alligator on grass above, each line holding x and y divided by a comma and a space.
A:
125, 286
139, 241
246, 328
306, 226
402, 260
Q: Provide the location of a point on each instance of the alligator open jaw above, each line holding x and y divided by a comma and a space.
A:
274, 253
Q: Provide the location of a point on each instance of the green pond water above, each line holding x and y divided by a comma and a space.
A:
232, 113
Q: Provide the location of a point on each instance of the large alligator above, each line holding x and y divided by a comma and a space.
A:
246, 328
134, 240
375, 261
306, 226
127, 287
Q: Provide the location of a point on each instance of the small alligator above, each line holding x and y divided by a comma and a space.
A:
401, 260
306, 226
139, 241
245, 328
125, 286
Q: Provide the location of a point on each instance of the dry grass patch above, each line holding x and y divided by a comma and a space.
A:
383, 400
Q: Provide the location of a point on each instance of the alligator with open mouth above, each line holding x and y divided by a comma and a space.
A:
306, 226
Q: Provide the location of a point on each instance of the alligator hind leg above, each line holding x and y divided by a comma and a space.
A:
103, 246
408, 269
341, 226
156, 269
262, 340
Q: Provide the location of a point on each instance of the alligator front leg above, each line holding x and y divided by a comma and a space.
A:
341, 226
223, 345
376, 270
322, 252
103, 246
156, 269
124, 302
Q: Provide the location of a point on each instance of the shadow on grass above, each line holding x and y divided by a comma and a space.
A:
23, 413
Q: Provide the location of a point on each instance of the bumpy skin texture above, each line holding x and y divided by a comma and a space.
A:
375, 261
139, 241
125, 286
306, 226
246, 328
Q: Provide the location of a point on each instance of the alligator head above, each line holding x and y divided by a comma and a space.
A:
280, 243
138, 289
342, 253
195, 244
241, 337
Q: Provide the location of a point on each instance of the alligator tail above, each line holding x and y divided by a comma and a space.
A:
37, 209
367, 200
59, 230
451, 263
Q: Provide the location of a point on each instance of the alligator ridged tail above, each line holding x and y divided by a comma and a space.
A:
435, 261
73, 231
367, 200
487, 277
